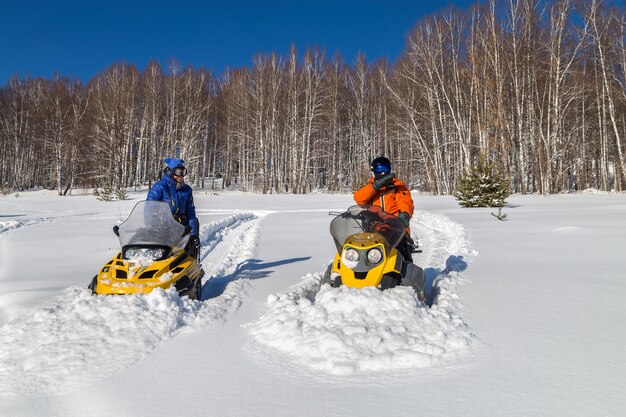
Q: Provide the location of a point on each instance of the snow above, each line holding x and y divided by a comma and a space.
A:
528, 317
61, 346
348, 331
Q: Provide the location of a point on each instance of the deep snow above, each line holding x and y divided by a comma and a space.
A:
528, 320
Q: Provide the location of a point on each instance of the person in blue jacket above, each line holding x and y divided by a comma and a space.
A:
173, 190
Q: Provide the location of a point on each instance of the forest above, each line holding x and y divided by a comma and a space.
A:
536, 86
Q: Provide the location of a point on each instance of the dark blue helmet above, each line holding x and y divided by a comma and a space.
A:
381, 165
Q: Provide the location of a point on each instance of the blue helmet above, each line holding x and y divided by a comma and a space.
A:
381, 165
174, 162
175, 166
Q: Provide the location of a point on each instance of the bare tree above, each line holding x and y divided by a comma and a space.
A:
538, 86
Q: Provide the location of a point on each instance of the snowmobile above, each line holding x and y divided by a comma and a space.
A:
366, 238
153, 255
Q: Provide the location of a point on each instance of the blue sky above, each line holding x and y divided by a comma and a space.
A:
81, 38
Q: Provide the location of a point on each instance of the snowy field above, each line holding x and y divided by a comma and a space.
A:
529, 319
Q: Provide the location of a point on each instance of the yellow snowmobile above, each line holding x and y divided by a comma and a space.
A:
366, 238
153, 255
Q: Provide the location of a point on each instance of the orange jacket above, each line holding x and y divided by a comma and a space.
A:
393, 199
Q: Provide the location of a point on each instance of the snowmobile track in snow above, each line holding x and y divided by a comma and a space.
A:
445, 249
61, 346
7, 226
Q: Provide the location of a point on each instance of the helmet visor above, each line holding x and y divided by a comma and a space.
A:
381, 168
179, 171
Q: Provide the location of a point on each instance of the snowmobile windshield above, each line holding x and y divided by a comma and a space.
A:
367, 219
151, 224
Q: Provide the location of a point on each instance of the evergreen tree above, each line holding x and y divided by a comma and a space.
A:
483, 185
106, 193
121, 194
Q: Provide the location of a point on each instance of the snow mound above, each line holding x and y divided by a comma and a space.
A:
440, 238
345, 331
79, 338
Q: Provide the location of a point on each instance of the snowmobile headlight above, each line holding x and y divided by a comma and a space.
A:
351, 255
144, 253
374, 255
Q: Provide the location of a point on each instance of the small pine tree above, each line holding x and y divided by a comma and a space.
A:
483, 185
121, 194
106, 193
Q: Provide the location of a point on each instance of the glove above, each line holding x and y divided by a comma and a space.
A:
405, 218
383, 181
194, 246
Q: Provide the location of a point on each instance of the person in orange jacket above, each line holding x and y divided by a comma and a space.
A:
384, 189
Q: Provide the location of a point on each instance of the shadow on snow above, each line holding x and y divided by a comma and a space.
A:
249, 269
432, 276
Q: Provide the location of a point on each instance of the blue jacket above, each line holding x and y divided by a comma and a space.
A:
180, 199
